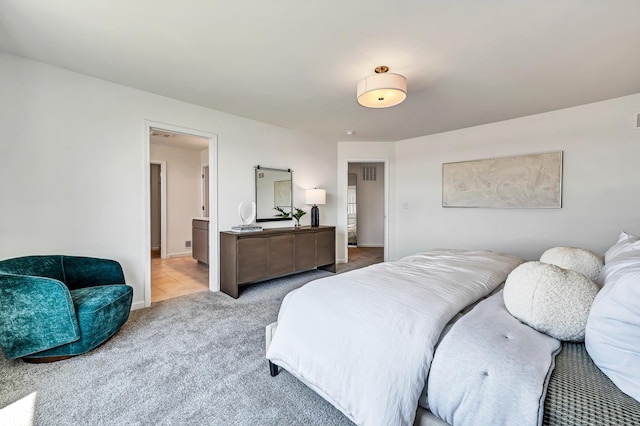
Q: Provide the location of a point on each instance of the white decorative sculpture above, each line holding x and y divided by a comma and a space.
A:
247, 212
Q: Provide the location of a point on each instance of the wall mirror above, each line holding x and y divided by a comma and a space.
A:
274, 199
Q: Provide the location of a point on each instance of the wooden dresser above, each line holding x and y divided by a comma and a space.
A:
256, 256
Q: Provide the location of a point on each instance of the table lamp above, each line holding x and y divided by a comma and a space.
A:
316, 196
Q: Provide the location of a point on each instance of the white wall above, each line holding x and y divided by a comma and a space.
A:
370, 205
183, 193
601, 183
74, 168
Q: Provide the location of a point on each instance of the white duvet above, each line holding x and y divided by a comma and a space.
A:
364, 340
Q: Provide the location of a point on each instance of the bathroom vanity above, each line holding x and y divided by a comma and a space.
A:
200, 240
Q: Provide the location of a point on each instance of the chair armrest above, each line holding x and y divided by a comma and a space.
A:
81, 272
36, 314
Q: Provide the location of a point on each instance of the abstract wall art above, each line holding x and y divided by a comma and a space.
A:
282, 193
531, 181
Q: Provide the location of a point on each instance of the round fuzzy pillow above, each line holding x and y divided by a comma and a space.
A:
583, 261
553, 300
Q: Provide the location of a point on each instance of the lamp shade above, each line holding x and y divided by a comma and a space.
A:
382, 90
316, 196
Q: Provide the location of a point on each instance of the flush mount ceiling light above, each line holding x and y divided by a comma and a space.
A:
382, 89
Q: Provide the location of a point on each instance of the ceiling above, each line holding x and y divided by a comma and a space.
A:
296, 63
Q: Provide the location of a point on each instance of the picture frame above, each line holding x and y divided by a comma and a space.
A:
282, 193
532, 181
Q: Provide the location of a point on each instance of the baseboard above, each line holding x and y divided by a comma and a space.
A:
186, 253
370, 245
341, 261
137, 305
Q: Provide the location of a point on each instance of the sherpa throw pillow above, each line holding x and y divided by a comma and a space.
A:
583, 261
553, 300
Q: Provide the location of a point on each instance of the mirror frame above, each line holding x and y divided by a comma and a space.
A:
259, 169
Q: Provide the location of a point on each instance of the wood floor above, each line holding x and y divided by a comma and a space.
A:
359, 257
179, 276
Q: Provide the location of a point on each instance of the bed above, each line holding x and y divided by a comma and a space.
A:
386, 345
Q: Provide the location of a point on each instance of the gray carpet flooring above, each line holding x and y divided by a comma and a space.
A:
196, 360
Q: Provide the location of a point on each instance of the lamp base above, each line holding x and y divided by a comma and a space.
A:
315, 216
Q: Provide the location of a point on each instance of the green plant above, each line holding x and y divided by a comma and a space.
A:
282, 213
298, 214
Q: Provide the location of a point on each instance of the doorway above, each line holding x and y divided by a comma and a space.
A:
352, 210
366, 212
187, 192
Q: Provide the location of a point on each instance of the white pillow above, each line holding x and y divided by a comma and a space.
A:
583, 261
553, 300
618, 266
613, 327
626, 243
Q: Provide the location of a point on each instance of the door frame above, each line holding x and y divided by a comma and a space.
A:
203, 185
214, 262
342, 204
163, 207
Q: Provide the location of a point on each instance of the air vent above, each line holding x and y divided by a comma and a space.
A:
369, 173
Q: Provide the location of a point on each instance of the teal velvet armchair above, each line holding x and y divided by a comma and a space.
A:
56, 307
